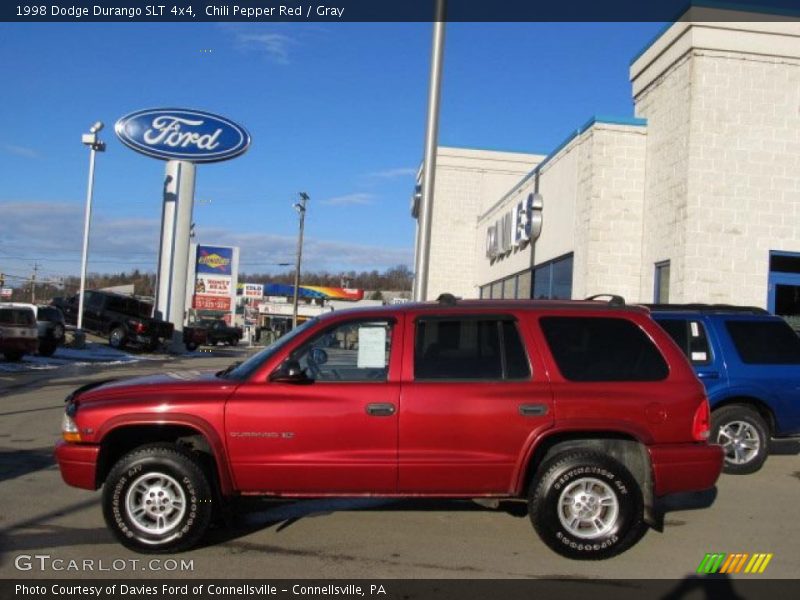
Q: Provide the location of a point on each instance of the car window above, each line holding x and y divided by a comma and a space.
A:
602, 349
765, 342
472, 348
17, 316
691, 337
48, 313
251, 365
94, 301
351, 351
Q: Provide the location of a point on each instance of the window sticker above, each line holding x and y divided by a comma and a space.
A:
699, 356
695, 329
371, 348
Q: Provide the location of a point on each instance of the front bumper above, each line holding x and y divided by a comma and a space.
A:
685, 467
78, 464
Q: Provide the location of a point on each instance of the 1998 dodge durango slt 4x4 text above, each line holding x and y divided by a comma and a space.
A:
587, 409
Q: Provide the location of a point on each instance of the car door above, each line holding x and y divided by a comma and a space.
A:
93, 311
334, 432
473, 400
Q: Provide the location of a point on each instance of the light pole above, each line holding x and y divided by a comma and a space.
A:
95, 145
429, 163
301, 209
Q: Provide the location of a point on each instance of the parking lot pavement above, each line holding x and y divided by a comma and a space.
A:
355, 538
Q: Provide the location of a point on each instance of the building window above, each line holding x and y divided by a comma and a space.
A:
783, 296
510, 287
661, 293
524, 285
497, 290
553, 280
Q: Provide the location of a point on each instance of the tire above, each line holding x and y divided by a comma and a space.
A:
48, 348
58, 333
12, 356
233, 341
588, 478
157, 473
191, 346
744, 436
117, 337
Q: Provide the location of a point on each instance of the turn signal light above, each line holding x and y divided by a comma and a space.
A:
69, 429
701, 424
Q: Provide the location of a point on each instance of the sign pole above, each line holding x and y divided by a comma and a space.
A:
173, 261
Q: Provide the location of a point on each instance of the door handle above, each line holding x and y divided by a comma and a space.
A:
708, 374
380, 409
533, 410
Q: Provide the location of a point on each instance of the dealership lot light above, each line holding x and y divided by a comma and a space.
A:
95, 145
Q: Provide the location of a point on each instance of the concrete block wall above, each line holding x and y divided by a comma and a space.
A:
723, 156
608, 212
467, 182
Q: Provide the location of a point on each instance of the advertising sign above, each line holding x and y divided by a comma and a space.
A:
181, 134
6, 292
253, 290
213, 286
202, 302
214, 278
214, 260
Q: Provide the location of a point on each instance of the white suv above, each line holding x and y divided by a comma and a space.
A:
18, 332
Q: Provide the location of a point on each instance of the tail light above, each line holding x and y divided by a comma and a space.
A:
701, 424
137, 326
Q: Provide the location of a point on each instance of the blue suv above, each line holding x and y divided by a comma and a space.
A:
749, 362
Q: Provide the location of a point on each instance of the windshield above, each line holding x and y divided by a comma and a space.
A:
252, 364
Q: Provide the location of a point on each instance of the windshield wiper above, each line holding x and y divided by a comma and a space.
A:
228, 369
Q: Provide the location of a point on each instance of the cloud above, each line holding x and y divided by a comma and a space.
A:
51, 233
357, 199
260, 252
19, 151
394, 173
273, 45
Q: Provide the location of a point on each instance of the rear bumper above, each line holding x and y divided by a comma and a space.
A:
685, 467
78, 464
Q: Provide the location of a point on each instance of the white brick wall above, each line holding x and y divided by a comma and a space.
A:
723, 163
467, 182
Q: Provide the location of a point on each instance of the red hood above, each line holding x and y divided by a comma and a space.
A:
146, 385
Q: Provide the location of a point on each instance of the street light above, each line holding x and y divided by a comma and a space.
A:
300, 207
95, 145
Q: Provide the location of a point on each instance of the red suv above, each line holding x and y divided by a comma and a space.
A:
586, 409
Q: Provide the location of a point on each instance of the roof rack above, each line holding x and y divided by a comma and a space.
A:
613, 299
708, 308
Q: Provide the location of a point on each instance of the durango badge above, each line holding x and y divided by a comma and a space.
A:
182, 134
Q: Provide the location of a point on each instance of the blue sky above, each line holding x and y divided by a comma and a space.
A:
336, 110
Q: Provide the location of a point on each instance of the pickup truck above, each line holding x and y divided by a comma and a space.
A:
219, 332
587, 410
125, 320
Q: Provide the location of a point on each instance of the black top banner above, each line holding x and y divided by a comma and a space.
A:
265, 11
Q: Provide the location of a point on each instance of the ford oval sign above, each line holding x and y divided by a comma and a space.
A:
182, 134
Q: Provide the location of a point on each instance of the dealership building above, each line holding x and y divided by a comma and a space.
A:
693, 198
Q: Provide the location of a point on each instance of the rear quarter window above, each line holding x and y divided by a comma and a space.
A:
765, 342
602, 349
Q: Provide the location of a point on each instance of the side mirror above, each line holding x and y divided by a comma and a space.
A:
290, 372
318, 356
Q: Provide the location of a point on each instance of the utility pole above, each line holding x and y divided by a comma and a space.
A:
301, 209
33, 282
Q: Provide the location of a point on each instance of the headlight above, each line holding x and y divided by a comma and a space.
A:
69, 429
